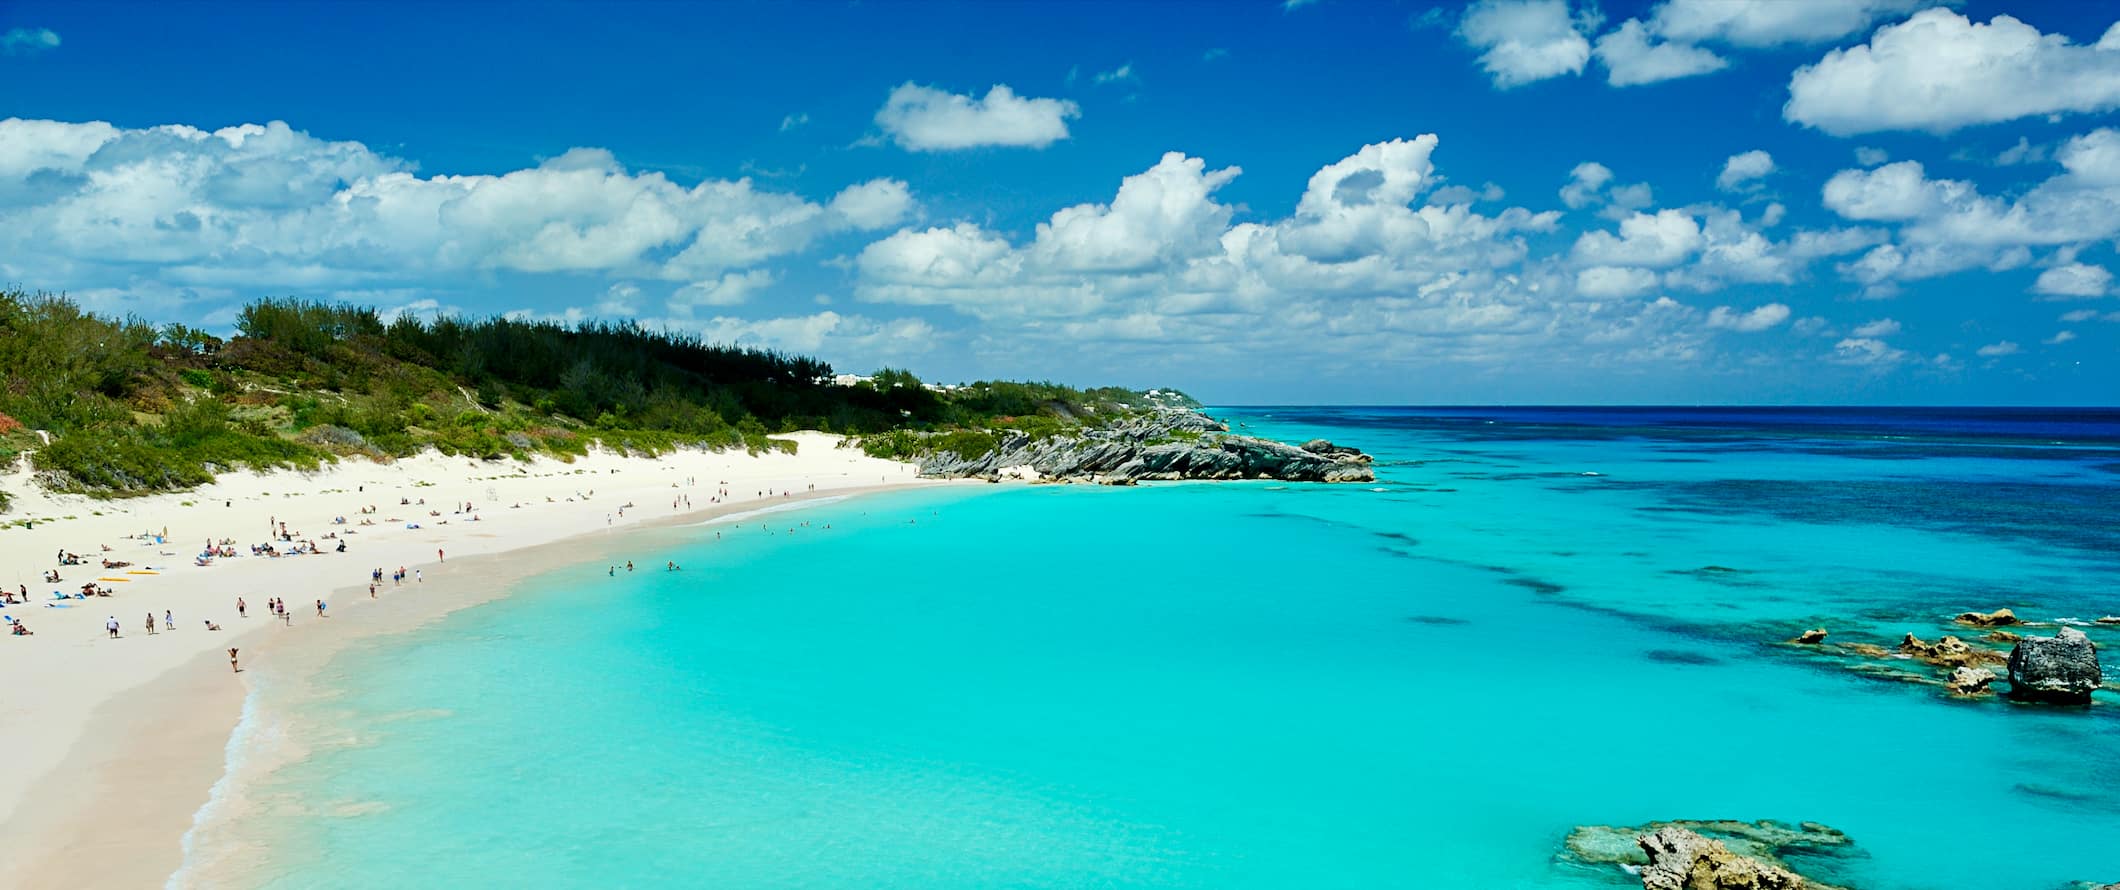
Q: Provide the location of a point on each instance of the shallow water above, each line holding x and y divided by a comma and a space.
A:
1423, 682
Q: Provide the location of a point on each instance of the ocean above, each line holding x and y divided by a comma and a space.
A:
1535, 619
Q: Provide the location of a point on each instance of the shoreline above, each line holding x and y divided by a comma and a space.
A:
121, 744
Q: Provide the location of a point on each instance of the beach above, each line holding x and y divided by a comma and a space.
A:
114, 744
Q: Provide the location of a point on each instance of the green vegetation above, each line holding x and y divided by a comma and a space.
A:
132, 408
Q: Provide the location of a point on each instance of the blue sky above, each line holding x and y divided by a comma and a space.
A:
1761, 201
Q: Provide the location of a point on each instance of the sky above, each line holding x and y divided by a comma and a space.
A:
1310, 201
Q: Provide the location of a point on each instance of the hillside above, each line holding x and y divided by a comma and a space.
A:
133, 408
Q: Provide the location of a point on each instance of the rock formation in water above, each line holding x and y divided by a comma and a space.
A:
1707, 855
1969, 680
1681, 859
1814, 635
1997, 618
2062, 669
1950, 652
1164, 444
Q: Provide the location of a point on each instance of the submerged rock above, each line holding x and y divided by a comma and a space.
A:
1969, 680
1997, 618
1681, 859
2062, 669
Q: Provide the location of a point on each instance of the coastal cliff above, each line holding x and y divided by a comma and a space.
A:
1162, 444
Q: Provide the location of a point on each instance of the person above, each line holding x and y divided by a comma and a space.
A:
150, 624
320, 608
212, 626
16, 627
438, 557
112, 626
670, 566
629, 565
419, 576
232, 665
169, 619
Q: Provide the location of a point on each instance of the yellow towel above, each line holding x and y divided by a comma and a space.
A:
140, 572
122, 580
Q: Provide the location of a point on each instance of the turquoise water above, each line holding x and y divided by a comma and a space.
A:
1421, 683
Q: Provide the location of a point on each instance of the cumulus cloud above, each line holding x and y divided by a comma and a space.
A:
1998, 350
1939, 71
1658, 240
2059, 338
1631, 57
1614, 281
921, 118
28, 41
1525, 41
1591, 184
1867, 351
853, 340
1945, 226
1742, 171
2074, 280
1757, 24
1883, 327
1759, 319
1871, 156
88, 206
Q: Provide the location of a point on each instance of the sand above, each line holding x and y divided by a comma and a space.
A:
111, 746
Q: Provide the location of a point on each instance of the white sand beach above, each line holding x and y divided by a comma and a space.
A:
112, 744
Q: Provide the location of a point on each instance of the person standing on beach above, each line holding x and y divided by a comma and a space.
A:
320, 608
419, 577
438, 557
232, 660
150, 624
112, 626
169, 619
242, 608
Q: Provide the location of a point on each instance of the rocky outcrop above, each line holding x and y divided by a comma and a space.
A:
1681, 859
1321, 446
1812, 636
1164, 444
1707, 855
2062, 669
1969, 680
1950, 652
1997, 618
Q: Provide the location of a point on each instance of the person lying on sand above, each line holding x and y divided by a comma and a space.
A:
212, 626
15, 627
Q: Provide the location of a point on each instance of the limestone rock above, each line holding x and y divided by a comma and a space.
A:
1814, 635
1166, 444
1970, 680
1949, 651
1997, 618
1681, 859
2062, 669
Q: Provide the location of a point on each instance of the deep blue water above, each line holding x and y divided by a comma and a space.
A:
1536, 618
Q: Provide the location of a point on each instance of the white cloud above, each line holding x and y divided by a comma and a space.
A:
923, 118
1759, 319
794, 120
28, 41
1631, 57
1742, 170
2074, 280
1661, 240
1997, 350
1120, 74
1526, 41
2059, 338
731, 289
1945, 226
1767, 23
1614, 281
254, 207
1869, 156
845, 340
1883, 327
1866, 351
2077, 315
1939, 71
1590, 184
